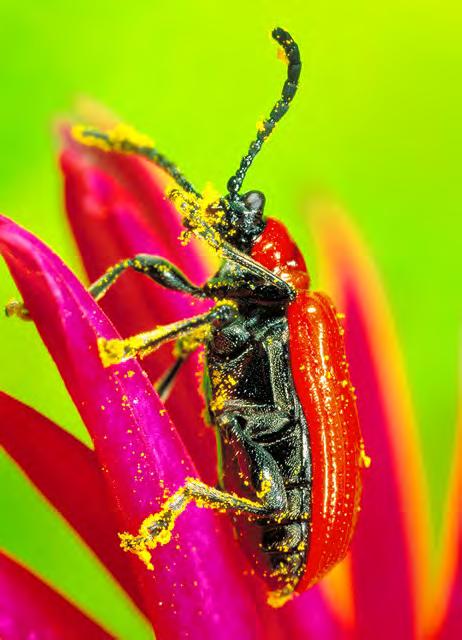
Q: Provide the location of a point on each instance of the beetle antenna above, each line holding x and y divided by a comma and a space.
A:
289, 89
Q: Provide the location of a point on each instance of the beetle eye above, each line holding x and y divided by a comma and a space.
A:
254, 200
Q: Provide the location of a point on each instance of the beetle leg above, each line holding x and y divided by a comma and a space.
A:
156, 529
256, 462
192, 331
270, 498
17, 308
161, 271
158, 269
164, 384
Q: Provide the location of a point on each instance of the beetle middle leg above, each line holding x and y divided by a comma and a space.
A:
158, 269
193, 331
164, 384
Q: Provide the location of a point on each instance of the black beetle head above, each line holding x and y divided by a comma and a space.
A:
239, 220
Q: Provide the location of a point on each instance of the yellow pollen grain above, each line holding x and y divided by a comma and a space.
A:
365, 461
278, 599
203, 216
264, 489
121, 138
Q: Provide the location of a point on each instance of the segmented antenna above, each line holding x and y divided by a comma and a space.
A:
280, 108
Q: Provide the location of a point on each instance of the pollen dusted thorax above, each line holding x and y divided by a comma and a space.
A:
262, 433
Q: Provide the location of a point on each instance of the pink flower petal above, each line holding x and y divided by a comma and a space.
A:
66, 472
146, 185
140, 452
30, 609
390, 547
308, 616
110, 223
381, 562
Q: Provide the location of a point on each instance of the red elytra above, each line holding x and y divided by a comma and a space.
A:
322, 382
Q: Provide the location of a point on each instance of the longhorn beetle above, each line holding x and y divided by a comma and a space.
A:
277, 387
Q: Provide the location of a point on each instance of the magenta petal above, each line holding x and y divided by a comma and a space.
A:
30, 609
381, 561
146, 186
139, 451
309, 616
389, 557
109, 224
66, 472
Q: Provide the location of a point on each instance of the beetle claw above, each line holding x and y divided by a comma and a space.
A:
16, 308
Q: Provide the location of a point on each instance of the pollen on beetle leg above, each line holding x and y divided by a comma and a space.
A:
114, 351
16, 308
278, 598
202, 216
281, 54
155, 529
192, 341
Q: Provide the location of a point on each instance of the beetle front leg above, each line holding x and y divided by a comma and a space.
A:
158, 269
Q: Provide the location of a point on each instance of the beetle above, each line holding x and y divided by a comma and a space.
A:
277, 386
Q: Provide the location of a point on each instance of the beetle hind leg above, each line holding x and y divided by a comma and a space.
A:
157, 529
269, 499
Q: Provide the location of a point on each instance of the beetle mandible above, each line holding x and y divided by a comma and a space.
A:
278, 391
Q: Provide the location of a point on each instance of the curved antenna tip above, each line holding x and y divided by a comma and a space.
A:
282, 36
292, 57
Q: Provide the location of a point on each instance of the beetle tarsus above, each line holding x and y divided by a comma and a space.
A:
17, 308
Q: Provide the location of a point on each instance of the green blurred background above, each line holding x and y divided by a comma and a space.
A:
376, 124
